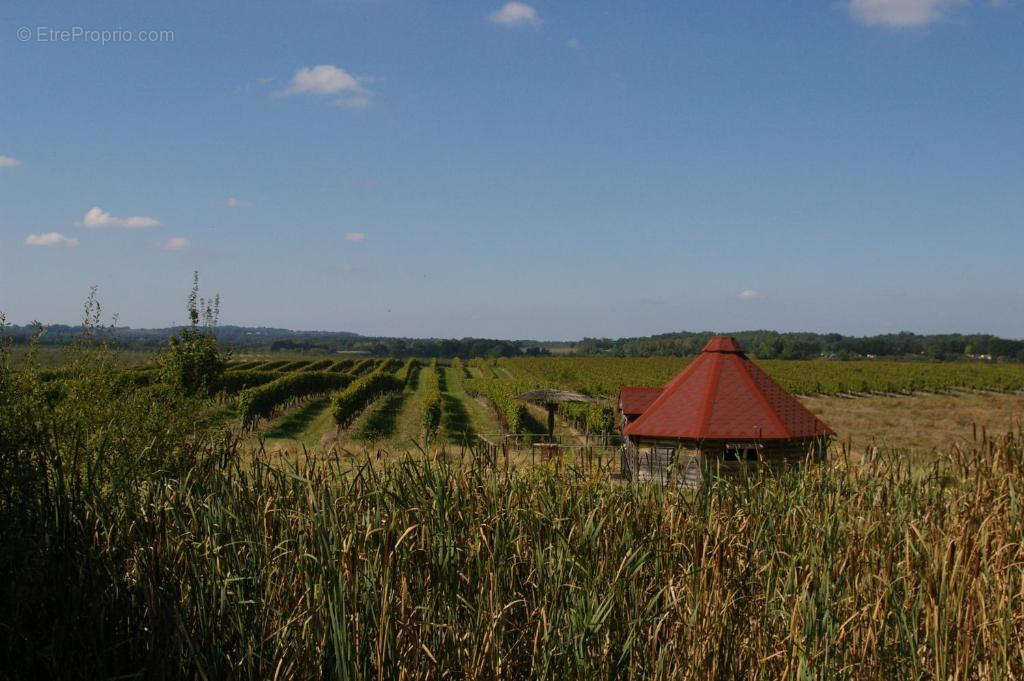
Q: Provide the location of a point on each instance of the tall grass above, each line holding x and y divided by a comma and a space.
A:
134, 546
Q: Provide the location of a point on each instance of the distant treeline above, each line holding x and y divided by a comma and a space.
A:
285, 340
761, 344
775, 345
418, 347
248, 337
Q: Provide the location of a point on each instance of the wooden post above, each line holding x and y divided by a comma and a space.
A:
551, 420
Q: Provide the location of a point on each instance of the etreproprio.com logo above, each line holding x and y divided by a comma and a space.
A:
99, 36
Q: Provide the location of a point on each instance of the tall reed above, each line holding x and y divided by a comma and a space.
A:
134, 546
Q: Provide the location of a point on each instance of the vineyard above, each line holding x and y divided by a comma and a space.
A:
369, 401
372, 401
602, 376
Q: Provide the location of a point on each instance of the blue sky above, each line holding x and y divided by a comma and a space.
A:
519, 170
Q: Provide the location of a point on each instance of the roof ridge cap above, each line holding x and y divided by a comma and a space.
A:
709, 394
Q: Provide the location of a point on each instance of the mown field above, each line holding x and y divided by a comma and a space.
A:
142, 542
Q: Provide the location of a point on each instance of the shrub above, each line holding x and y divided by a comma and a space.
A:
262, 401
347, 404
430, 415
193, 361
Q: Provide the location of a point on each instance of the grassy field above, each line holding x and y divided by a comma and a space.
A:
144, 542
922, 425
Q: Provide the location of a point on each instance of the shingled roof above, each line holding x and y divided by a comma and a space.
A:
634, 400
722, 395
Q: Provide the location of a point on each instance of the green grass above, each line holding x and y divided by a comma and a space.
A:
295, 423
408, 430
480, 419
301, 427
380, 421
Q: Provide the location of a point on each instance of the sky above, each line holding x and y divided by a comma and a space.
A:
547, 170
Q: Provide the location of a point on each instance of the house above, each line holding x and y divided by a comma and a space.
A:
721, 413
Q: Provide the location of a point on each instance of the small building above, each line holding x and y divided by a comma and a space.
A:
633, 401
721, 413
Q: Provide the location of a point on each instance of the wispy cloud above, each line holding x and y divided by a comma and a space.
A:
514, 14
900, 13
51, 239
178, 243
328, 80
749, 294
97, 218
8, 161
235, 202
355, 236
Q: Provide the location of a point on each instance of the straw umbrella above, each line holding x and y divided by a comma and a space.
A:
550, 398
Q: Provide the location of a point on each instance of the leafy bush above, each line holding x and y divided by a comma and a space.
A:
193, 361
461, 367
409, 370
244, 366
502, 394
295, 366
362, 366
236, 381
346, 405
430, 415
342, 365
590, 417
262, 401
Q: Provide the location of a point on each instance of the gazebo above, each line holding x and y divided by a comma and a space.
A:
721, 412
550, 398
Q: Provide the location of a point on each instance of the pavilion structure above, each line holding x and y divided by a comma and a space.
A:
721, 413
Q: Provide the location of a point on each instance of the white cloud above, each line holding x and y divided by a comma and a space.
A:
51, 239
515, 14
749, 294
325, 79
97, 218
900, 13
355, 236
176, 244
8, 161
235, 202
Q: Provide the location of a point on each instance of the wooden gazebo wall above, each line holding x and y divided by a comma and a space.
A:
684, 461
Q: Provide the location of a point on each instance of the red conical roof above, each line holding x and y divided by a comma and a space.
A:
722, 395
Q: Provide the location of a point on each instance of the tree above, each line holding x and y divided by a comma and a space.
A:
193, 361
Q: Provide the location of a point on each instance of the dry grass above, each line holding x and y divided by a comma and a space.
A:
922, 424
137, 547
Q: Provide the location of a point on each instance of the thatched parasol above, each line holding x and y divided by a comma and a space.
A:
550, 398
